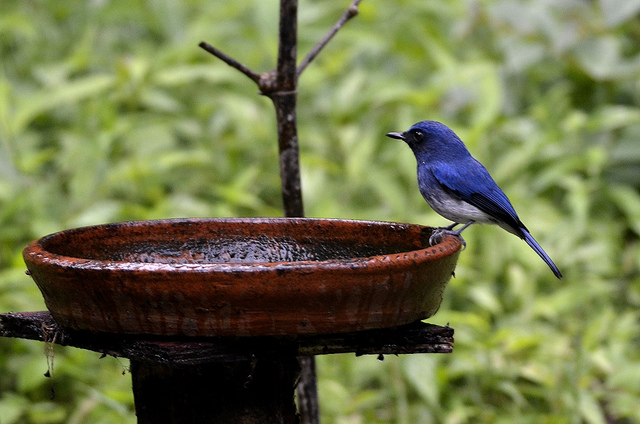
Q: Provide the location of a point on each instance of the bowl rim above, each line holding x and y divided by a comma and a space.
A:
36, 253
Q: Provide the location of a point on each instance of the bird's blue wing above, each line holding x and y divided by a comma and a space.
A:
471, 182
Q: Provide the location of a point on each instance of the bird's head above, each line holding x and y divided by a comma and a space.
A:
430, 137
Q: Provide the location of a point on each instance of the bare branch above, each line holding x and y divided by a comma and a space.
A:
231, 61
351, 11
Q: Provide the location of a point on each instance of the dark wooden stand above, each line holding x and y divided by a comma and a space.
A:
225, 380
258, 391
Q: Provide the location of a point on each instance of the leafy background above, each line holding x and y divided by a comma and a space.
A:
110, 112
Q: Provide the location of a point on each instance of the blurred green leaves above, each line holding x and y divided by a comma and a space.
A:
109, 112
617, 12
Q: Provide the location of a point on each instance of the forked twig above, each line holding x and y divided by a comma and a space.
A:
348, 14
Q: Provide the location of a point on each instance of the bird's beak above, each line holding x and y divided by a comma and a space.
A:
399, 136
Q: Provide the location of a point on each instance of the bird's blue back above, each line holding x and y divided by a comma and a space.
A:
458, 187
443, 155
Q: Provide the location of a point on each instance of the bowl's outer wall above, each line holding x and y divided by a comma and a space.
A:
243, 299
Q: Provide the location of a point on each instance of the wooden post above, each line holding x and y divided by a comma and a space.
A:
233, 392
281, 86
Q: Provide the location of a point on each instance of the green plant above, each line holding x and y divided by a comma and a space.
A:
109, 112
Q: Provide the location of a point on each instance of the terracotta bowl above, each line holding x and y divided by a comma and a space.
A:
241, 277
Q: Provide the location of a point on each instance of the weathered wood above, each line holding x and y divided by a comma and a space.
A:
225, 379
307, 391
242, 392
418, 337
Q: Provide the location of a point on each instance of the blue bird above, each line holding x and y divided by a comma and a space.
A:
458, 187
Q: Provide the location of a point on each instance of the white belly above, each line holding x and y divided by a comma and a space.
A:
457, 210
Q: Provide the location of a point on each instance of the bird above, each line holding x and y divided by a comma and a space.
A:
458, 187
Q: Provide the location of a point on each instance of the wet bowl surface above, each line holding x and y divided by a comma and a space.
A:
241, 276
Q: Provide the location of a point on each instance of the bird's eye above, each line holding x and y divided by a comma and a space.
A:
418, 135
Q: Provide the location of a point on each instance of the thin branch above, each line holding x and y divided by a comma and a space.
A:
351, 11
231, 62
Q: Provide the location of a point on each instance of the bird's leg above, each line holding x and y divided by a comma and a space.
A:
464, 227
438, 233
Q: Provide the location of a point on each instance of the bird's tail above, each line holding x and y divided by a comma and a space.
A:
535, 246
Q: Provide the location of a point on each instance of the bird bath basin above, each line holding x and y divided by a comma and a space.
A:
241, 277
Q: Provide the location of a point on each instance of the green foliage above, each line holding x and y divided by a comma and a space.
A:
110, 112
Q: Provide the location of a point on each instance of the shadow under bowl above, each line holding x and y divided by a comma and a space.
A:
241, 277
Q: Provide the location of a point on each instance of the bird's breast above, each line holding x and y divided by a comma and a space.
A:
452, 207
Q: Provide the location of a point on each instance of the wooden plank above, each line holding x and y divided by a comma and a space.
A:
418, 337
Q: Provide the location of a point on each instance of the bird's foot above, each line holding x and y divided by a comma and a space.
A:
438, 233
